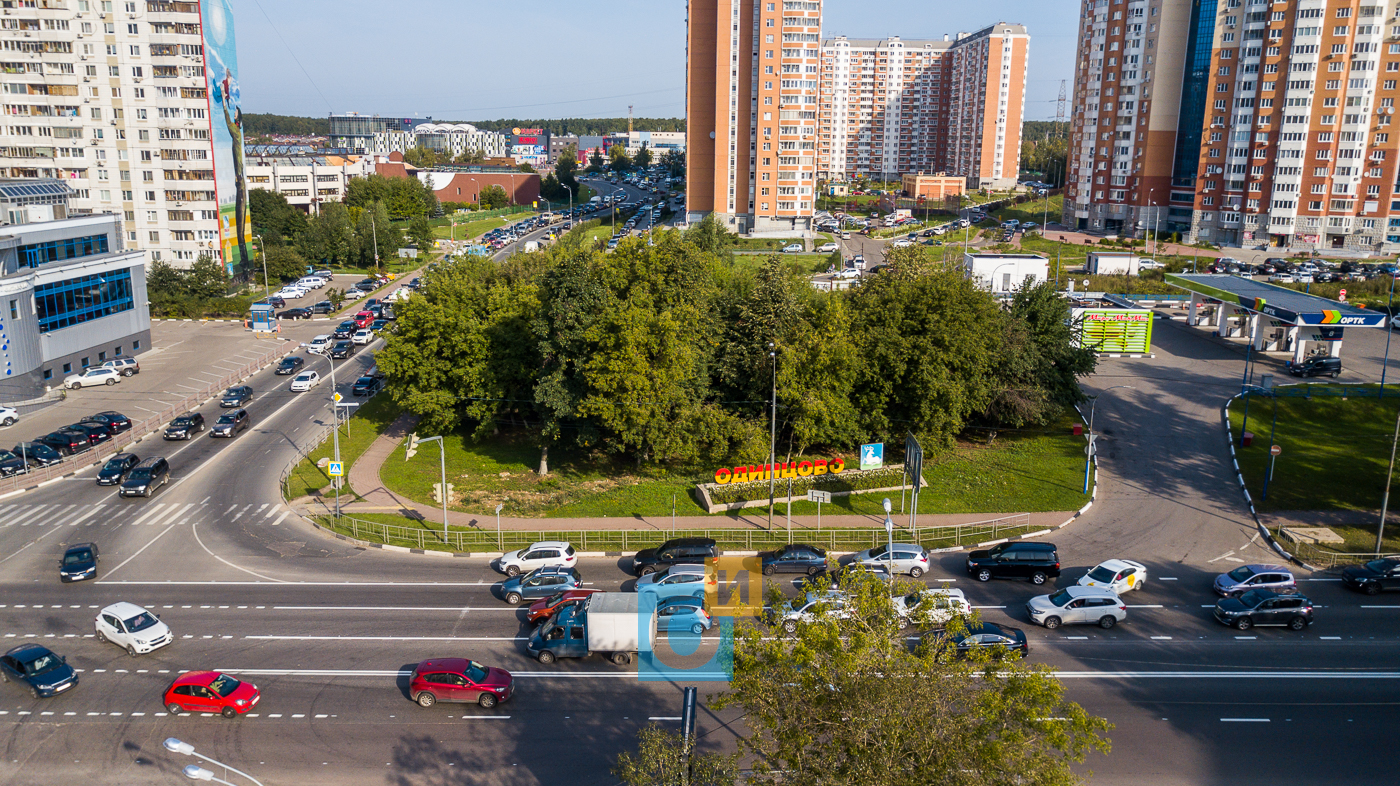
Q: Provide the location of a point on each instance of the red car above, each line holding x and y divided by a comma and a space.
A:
210, 691
364, 318
542, 610
460, 681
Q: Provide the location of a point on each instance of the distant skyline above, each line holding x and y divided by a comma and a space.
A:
474, 60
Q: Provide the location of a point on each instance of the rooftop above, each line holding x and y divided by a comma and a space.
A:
1281, 303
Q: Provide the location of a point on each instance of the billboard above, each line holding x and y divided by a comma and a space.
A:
1114, 330
226, 132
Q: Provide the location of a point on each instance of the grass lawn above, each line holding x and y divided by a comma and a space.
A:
762, 243
1033, 211
795, 264
1335, 455
371, 418
470, 229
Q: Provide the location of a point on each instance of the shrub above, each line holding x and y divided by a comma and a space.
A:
851, 480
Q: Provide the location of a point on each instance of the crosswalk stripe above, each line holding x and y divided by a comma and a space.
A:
271, 511
26, 517
156, 508
285, 513
92, 512
260, 509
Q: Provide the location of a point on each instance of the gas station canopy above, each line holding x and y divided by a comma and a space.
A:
1288, 306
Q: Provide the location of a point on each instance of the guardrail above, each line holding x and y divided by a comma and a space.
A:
1153, 298
142, 428
1328, 559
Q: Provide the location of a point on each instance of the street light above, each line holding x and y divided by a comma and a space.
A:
194, 771
773, 435
262, 249
889, 537
571, 205
414, 441
1090, 451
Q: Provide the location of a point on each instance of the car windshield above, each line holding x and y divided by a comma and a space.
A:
224, 686
365, 381
1241, 573
1380, 565
233, 392
224, 420
44, 663
879, 551
1253, 598
291, 362
475, 672
182, 422
1061, 598
140, 622
115, 465
141, 473
75, 557
304, 378
1101, 574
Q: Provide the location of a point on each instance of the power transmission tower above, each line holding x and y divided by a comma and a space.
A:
1060, 107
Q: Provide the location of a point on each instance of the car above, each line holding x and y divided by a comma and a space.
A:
8, 416
326, 274
67, 442
1029, 226
794, 558
145, 478
37, 453
846, 234
908, 558
115, 422
132, 628
236, 396
366, 386
323, 307
831, 604
1000, 640
685, 613
93, 376
539, 583
1374, 576
1250, 577
116, 469
363, 318
1119, 575
1032, 560
290, 365
343, 331
1265, 607
931, 607
127, 367
1077, 604
311, 282
11, 465
542, 610
304, 381
545, 553
459, 681
902, 243
848, 273
210, 692
319, 344
362, 336
185, 426
97, 433
691, 551
676, 580
295, 313
342, 350
1315, 367
230, 423
367, 286
46, 673
276, 301
378, 325
792, 248
79, 563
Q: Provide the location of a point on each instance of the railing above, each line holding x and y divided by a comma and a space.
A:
427, 537
1328, 559
142, 428
1153, 298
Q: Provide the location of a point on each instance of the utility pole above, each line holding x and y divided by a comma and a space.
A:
773, 435
1385, 499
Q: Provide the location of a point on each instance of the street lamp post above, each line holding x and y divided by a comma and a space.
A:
1389, 473
194, 771
773, 434
1090, 450
1390, 328
889, 538
571, 205
414, 441
262, 250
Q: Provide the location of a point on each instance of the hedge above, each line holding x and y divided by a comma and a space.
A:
846, 482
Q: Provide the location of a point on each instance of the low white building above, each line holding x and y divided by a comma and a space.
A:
307, 181
1112, 264
1003, 274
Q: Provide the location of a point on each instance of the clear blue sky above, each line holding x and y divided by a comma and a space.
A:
477, 60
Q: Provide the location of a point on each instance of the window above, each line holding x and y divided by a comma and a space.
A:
65, 303
36, 254
14, 310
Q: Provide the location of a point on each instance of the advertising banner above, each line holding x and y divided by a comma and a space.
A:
1121, 331
226, 121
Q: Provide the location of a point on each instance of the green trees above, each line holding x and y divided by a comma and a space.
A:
661, 761
405, 197
643, 159
420, 234
596, 161
274, 219
492, 197
618, 158
674, 161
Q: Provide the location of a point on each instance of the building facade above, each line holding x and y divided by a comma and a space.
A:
72, 295
891, 106
374, 135
752, 69
135, 106
939, 186
307, 181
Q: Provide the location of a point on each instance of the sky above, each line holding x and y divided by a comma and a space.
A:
477, 60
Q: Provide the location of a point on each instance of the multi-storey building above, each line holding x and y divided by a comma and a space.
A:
374, 135
1283, 137
894, 106
133, 103
751, 111
307, 180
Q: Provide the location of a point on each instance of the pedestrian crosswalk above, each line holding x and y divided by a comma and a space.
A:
134, 514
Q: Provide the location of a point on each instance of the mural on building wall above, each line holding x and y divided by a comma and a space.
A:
226, 114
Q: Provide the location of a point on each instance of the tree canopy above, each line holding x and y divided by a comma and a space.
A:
403, 197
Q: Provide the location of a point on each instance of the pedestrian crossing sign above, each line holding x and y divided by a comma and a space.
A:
337, 469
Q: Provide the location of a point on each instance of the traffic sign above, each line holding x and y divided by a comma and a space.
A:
1342, 296
336, 398
1275, 450
336, 469
818, 496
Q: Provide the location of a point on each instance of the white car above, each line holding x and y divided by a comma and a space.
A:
1119, 575
362, 336
792, 248
132, 628
848, 274
831, 604
826, 248
93, 376
319, 344
292, 294
544, 554
305, 381
902, 243
311, 282
8, 416
943, 604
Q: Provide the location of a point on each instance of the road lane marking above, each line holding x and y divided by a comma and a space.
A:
1166, 578
1146, 606
285, 514
398, 608
1245, 638
1380, 607
1244, 720
194, 530
270, 637
1161, 638
664, 718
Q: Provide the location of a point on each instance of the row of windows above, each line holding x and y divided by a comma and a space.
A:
77, 300
36, 254
117, 351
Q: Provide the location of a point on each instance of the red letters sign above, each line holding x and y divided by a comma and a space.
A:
795, 469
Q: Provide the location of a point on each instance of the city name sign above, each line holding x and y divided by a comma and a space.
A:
795, 469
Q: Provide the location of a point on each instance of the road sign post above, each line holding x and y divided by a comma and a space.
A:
914, 470
818, 497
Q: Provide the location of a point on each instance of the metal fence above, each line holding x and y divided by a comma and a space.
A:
1328, 559
144, 427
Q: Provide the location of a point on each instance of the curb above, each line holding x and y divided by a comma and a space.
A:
1249, 501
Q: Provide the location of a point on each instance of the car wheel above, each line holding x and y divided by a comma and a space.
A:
426, 699
110, 381
102, 637
646, 571
7, 422
173, 708
768, 570
513, 598
1334, 374
75, 386
621, 658
1244, 623
1297, 623
984, 575
229, 712
1052, 622
697, 629
1371, 588
34, 692
914, 573
487, 701
790, 626
546, 657
1037, 578
128, 373
131, 650
903, 623
512, 571
1108, 621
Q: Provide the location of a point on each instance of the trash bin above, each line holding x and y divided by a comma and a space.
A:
1246, 439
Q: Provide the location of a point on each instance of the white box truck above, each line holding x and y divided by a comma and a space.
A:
608, 624
1106, 264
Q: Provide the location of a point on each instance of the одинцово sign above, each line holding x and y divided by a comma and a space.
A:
794, 469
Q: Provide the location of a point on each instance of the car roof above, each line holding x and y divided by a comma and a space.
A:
444, 664
32, 651
552, 570
80, 547
123, 457
689, 542
150, 462
549, 544
322, 337
1116, 565
195, 678
1261, 568
1077, 591
123, 609
677, 570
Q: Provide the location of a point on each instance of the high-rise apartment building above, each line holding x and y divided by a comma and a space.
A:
134, 104
894, 106
1283, 136
752, 68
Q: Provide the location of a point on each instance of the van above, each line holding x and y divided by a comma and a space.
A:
1032, 560
1315, 367
145, 478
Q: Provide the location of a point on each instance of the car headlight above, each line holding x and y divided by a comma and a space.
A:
241, 702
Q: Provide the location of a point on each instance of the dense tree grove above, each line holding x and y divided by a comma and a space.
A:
661, 353
404, 197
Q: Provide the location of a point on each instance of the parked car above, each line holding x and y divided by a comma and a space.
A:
210, 691
116, 469
1250, 577
38, 667
984, 636
1374, 576
1118, 575
230, 423
1024, 559
127, 367
93, 376
145, 478
295, 313
794, 558
115, 422
826, 248
185, 426
11, 464
8, 416
67, 442
691, 551
79, 562
132, 628
290, 365
539, 583
323, 307
237, 396
1284, 607
541, 610
1315, 367
1076, 605
931, 607
908, 558
97, 433
546, 553
305, 381
37, 453
459, 681
792, 248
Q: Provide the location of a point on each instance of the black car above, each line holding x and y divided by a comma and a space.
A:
1023, 559
115, 422
185, 426
366, 386
145, 478
794, 558
368, 285
1265, 607
678, 551
344, 330
323, 307
12, 464
97, 433
378, 325
342, 350
289, 366
275, 301
116, 469
37, 454
67, 442
37, 666
79, 563
981, 636
1315, 367
295, 313
237, 396
230, 423
1374, 576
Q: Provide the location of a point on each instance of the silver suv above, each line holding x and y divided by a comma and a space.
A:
1077, 605
125, 366
1248, 577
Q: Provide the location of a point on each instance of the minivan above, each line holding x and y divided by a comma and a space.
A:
145, 478
1315, 367
1031, 560
677, 551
